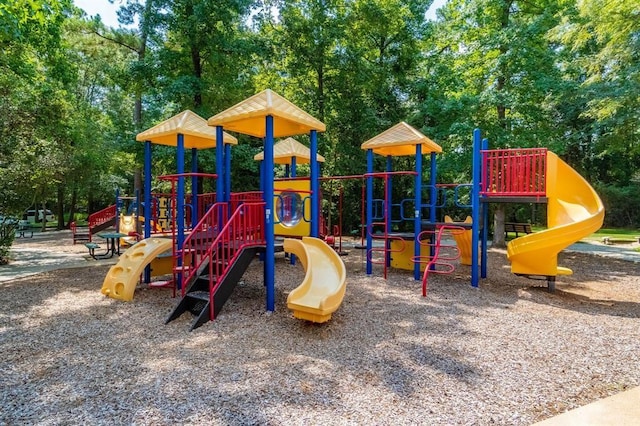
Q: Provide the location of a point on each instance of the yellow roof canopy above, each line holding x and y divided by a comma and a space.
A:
285, 150
400, 140
196, 132
248, 117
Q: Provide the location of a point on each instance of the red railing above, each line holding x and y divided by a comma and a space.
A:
514, 172
102, 216
198, 243
238, 198
221, 247
443, 252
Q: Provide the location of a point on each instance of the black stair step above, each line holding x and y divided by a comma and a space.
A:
200, 295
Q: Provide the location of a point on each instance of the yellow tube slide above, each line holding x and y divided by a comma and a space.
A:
122, 278
323, 287
574, 211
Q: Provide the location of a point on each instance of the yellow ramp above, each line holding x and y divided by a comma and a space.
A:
122, 278
323, 287
574, 211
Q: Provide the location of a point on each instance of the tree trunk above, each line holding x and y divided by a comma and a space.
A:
43, 228
60, 207
498, 227
72, 207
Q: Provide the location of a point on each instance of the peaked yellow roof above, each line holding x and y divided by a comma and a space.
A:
400, 140
284, 150
248, 117
197, 134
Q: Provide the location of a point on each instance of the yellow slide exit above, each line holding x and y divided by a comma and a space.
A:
574, 211
323, 287
121, 280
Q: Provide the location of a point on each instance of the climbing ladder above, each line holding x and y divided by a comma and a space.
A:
214, 256
443, 253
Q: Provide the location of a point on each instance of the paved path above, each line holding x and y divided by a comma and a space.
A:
45, 252
612, 251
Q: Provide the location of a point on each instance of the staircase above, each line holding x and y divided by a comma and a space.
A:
214, 257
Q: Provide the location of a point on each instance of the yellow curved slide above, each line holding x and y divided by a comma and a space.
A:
574, 211
122, 278
323, 287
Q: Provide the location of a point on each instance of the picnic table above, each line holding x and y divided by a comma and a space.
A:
113, 245
24, 228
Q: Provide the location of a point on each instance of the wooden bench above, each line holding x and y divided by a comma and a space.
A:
517, 228
80, 233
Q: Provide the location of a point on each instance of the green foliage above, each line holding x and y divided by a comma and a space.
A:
7, 235
550, 73
622, 205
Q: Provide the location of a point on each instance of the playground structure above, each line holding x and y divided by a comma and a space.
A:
499, 176
212, 247
213, 238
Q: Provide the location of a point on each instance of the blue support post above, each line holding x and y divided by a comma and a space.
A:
291, 171
194, 188
219, 164
417, 225
369, 209
147, 202
269, 261
475, 206
180, 204
315, 186
287, 171
147, 189
485, 223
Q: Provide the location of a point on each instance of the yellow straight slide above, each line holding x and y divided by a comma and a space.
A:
122, 278
574, 211
323, 287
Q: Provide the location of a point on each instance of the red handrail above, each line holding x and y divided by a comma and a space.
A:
198, 243
220, 249
438, 260
514, 172
102, 216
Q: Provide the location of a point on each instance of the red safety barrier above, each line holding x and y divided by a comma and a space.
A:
102, 216
514, 172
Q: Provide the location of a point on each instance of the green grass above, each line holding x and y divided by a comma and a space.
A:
618, 234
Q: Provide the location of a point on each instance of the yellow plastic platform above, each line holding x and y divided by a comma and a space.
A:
121, 280
402, 254
324, 284
574, 211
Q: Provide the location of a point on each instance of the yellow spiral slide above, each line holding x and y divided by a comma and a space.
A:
574, 211
323, 287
